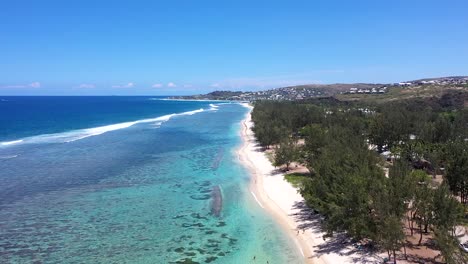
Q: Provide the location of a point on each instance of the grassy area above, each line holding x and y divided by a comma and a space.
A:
296, 179
399, 93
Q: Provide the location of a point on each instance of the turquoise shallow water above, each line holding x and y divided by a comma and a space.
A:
147, 193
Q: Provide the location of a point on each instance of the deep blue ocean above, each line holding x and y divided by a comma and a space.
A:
128, 180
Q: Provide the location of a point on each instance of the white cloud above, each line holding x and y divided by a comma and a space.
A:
128, 85
215, 85
157, 85
35, 85
86, 85
187, 85
31, 85
171, 84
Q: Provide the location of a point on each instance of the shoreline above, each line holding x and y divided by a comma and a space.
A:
283, 202
249, 159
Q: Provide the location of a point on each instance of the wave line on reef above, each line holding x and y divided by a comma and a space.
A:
73, 135
257, 200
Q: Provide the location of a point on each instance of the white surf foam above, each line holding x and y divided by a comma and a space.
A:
192, 112
214, 107
7, 143
74, 135
246, 105
8, 156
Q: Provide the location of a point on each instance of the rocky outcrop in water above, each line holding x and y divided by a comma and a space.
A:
216, 201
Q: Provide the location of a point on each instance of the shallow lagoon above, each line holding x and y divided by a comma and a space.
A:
142, 194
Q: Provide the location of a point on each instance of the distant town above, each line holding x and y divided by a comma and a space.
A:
301, 92
456, 80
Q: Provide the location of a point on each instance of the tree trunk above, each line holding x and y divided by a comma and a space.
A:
461, 196
412, 220
464, 195
404, 249
409, 222
412, 223
394, 256
421, 233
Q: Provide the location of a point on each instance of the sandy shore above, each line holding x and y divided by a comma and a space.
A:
287, 206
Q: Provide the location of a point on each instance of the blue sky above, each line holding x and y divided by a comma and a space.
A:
188, 47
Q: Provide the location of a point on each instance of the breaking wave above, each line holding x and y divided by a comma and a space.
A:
70, 136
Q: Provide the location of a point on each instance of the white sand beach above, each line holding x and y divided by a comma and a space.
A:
287, 206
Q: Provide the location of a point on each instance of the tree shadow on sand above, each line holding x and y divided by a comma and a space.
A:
339, 244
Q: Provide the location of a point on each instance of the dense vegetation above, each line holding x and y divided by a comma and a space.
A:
342, 149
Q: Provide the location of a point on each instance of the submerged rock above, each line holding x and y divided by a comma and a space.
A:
216, 201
